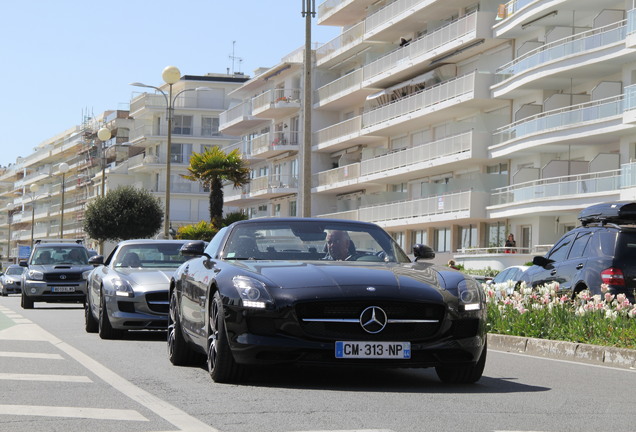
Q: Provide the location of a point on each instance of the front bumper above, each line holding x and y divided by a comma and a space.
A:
145, 311
46, 292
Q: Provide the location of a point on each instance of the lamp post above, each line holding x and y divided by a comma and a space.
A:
104, 135
170, 75
9, 211
62, 168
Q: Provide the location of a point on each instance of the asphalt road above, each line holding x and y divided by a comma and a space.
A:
57, 377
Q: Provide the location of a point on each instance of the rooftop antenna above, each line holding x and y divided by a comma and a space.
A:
233, 57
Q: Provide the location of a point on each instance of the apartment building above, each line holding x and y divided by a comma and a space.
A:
453, 122
45, 193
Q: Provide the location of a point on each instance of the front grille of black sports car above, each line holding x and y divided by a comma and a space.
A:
325, 318
158, 302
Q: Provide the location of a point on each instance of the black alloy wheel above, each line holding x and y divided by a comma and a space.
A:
180, 352
221, 364
91, 325
105, 329
26, 302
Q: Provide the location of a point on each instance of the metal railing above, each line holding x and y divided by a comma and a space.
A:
421, 153
349, 172
343, 129
576, 44
427, 44
342, 85
390, 12
350, 37
275, 96
421, 100
244, 109
561, 118
557, 187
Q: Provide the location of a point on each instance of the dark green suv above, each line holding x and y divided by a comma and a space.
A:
600, 251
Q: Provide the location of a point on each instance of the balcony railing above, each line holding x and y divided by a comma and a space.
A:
273, 181
198, 132
242, 110
421, 153
342, 85
427, 44
349, 172
558, 187
421, 100
631, 21
576, 44
561, 118
390, 12
423, 207
344, 41
275, 97
340, 130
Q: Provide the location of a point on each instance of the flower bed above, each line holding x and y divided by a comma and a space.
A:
543, 313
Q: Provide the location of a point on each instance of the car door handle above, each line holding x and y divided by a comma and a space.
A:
553, 272
579, 266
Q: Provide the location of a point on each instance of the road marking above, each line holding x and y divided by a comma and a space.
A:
31, 355
73, 412
43, 377
578, 363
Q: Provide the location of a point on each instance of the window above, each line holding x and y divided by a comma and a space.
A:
468, 237
495, 235
399, 238
419, 236
579, 246
560, 251
277, 210
182, 125
293, 208
442, 240
209, 126
180, 153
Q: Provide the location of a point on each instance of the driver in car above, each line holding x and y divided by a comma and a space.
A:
340, 247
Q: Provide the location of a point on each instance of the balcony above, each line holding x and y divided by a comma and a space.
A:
590, 120
343, 92
272, 186
341, 12
144, 131
517, 15
347, 44
342, 179
273, 144
557, 193
237, 197
436, 103
450, 40
236, 120
399, 165
276, 103
547, 66
340, 136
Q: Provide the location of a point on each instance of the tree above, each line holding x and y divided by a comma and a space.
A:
211, 168
122, 214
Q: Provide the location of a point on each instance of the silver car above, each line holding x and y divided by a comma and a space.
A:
129, 290
10, 280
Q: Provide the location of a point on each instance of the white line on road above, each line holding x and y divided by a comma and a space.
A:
31, 355
42, 377
72, 412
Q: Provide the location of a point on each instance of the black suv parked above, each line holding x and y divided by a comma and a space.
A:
55, 273
600, 251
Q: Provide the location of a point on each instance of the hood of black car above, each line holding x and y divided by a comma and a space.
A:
345, 278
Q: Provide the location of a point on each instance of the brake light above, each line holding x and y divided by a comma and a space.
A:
613, 276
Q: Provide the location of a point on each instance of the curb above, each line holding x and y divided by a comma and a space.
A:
593, 354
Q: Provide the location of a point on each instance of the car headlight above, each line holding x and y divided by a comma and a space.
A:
252, 292
86, 274
123, 288
35, 275
470, 295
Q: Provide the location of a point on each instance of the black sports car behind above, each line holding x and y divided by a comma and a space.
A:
321, 291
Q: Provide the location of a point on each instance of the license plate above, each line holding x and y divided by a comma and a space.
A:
373, 350
63, 289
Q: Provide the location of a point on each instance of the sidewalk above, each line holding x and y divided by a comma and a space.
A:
593, 354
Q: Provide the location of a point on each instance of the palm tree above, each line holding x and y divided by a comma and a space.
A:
211, 168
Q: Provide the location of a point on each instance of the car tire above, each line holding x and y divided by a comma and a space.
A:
105, 329
91, 325
221, 364
180, 353
464, 374
26, 302
3, 292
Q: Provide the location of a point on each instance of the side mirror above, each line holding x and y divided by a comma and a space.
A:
193, 249
23, 264
96, 260
541, 261
423, 252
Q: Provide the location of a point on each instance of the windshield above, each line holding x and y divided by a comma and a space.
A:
156, 255
15, 270
312, 240
54, 255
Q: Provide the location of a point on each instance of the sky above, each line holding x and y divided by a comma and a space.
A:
61, 60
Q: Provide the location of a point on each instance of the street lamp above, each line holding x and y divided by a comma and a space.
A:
9, 211
170, 75
62, 168
104, 135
